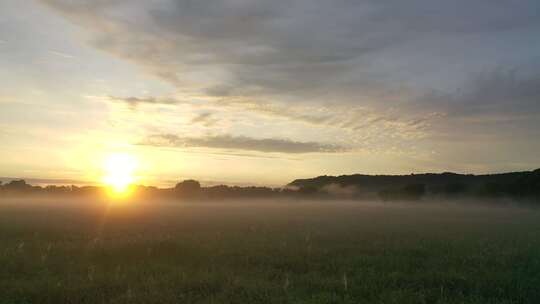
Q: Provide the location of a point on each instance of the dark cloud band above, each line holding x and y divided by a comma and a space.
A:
240, 143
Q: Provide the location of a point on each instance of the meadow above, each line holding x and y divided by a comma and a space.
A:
267, 252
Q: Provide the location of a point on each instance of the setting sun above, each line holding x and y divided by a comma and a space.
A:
119, 172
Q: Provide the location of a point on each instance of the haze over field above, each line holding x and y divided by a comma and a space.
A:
75, 251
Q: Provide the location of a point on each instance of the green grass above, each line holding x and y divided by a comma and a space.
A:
285, 252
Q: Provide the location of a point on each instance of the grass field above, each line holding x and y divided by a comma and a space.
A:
267, 252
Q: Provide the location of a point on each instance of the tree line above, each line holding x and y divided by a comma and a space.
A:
414, 187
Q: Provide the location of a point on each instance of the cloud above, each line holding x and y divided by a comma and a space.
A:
355, 124
267, 145
61, 54
206, 119
300, 50
501, 91
360, 122
378, 72
134, 102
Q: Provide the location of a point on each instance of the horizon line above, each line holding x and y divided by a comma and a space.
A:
209, 183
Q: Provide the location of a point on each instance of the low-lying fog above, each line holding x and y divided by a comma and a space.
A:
75, 251
252, 214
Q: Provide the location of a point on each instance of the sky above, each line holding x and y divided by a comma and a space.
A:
264, 92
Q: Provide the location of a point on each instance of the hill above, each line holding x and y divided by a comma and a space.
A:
515, 184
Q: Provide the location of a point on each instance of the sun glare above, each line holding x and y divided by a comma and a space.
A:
119, 173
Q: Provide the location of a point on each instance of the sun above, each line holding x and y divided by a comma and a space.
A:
119, 172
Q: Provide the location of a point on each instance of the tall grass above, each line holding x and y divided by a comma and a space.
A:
267, 252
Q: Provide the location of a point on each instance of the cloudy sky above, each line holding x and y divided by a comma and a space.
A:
247, 91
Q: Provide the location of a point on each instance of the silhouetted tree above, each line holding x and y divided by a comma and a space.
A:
493, 189
414, 191
18, 186
410, 192
188, 188
453, 189
522, 185
308, 190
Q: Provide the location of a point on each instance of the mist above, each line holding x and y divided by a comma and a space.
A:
285, 249
104, 217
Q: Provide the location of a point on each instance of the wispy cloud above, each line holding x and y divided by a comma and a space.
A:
505, 92
206, 119
228, 142
61, 54
359, 122
134, 102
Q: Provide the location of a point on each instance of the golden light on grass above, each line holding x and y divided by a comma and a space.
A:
119, 173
